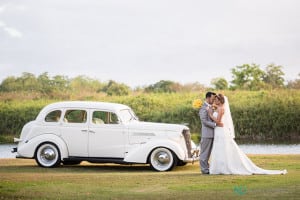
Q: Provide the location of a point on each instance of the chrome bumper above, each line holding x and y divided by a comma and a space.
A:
195, 156
17, 140
14, 150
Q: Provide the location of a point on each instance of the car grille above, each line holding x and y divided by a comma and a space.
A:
187, 137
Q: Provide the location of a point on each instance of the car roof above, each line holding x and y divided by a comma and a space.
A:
81, 104
86, 104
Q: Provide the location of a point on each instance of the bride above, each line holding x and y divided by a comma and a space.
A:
226, 156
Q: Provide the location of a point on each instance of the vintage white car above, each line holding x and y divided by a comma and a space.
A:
100, 132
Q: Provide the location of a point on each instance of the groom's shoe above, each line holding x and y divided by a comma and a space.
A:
205, 173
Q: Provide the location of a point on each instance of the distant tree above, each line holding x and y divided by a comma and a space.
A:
84, 83
176, 87
248, 77
114, 88
9, 84
193, 87
274, 76
60, 83
162, 86
29, 82
45, 83
295, 84
219, 83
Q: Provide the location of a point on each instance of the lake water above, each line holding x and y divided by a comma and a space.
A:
5, 149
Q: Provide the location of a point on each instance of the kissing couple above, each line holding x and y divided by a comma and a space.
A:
217, 141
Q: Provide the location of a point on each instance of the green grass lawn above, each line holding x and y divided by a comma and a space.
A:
23, 179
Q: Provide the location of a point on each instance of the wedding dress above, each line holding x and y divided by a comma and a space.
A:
226, 156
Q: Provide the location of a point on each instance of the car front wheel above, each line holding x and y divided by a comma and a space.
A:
47, 155
162, 159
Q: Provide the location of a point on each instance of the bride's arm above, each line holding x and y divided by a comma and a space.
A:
220, 114
210, 114
204, 116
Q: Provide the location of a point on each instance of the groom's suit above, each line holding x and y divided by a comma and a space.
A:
207, 137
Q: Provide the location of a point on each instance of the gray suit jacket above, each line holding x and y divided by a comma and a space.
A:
207, 124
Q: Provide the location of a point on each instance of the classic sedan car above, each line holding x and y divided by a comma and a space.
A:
100, 132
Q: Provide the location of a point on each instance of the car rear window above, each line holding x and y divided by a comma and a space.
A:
53, 116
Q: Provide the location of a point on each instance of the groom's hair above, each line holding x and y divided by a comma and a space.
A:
209, 94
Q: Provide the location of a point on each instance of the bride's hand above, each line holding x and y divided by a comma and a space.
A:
219, 124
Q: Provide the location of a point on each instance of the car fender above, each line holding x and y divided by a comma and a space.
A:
139, 153
28, 148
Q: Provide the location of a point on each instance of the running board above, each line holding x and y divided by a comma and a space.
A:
98, 160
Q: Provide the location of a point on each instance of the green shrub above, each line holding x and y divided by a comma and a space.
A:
256, 115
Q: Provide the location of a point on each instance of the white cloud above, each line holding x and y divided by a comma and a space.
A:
13, 32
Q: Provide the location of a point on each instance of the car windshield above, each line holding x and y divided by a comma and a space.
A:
127, 115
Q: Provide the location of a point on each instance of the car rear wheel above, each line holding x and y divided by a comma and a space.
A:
162, 159
47, 155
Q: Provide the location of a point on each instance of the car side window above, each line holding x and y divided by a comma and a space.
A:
99, 117
53, 116
114, 119
104, 117
75, 116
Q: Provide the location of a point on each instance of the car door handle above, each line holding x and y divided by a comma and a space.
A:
92, 131
84, 130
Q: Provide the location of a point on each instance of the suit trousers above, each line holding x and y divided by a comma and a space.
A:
206, 147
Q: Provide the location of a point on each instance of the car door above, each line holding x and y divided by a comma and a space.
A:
74, 131
107, 137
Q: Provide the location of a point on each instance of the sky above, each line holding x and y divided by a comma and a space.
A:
140, 42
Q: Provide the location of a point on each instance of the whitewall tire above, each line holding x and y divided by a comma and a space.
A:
162, 159
47, 155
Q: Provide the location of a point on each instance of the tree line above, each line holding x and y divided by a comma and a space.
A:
252, 77
244, 77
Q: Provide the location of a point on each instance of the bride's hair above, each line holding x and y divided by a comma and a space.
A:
221, 98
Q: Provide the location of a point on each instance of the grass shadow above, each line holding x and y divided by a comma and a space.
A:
84, 167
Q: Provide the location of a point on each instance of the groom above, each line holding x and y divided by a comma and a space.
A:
207, 136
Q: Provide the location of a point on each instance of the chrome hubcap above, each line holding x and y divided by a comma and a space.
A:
48, 154
163, 158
